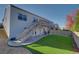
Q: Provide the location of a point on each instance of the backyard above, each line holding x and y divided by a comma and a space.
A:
52, 44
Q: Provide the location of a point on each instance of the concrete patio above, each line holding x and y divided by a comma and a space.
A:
5, 49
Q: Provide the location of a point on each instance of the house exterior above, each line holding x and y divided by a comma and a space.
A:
20, 24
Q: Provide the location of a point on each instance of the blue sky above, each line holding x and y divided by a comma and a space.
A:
56, 13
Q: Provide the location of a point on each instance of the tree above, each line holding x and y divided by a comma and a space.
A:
76, 22
69, 24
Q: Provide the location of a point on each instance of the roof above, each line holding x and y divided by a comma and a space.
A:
31, 13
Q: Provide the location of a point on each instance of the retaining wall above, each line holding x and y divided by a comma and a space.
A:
60, 32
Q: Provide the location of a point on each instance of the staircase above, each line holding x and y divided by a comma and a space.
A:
23, 36
32, 39
26, 31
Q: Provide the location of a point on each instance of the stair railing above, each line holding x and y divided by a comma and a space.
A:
26, 32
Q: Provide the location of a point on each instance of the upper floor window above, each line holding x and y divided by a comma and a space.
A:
22, 17
35, 20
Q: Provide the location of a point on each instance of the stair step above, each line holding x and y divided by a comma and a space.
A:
12, 43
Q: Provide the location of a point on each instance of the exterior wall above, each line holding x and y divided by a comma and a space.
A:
6, 21
17, 26
14, 27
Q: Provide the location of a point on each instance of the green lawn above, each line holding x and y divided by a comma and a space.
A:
52, 44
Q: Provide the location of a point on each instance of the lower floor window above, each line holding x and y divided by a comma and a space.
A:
12, 39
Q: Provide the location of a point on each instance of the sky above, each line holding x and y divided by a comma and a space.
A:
53, 12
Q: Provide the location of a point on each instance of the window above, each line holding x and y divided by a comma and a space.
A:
13, 39
34, 20
22, 17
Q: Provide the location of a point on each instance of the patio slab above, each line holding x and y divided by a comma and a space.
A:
5, 49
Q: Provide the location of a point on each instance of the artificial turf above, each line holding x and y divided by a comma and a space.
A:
52, 44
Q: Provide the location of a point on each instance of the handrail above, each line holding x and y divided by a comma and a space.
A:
27, 31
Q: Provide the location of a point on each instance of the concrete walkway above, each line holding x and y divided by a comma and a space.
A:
5, 49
